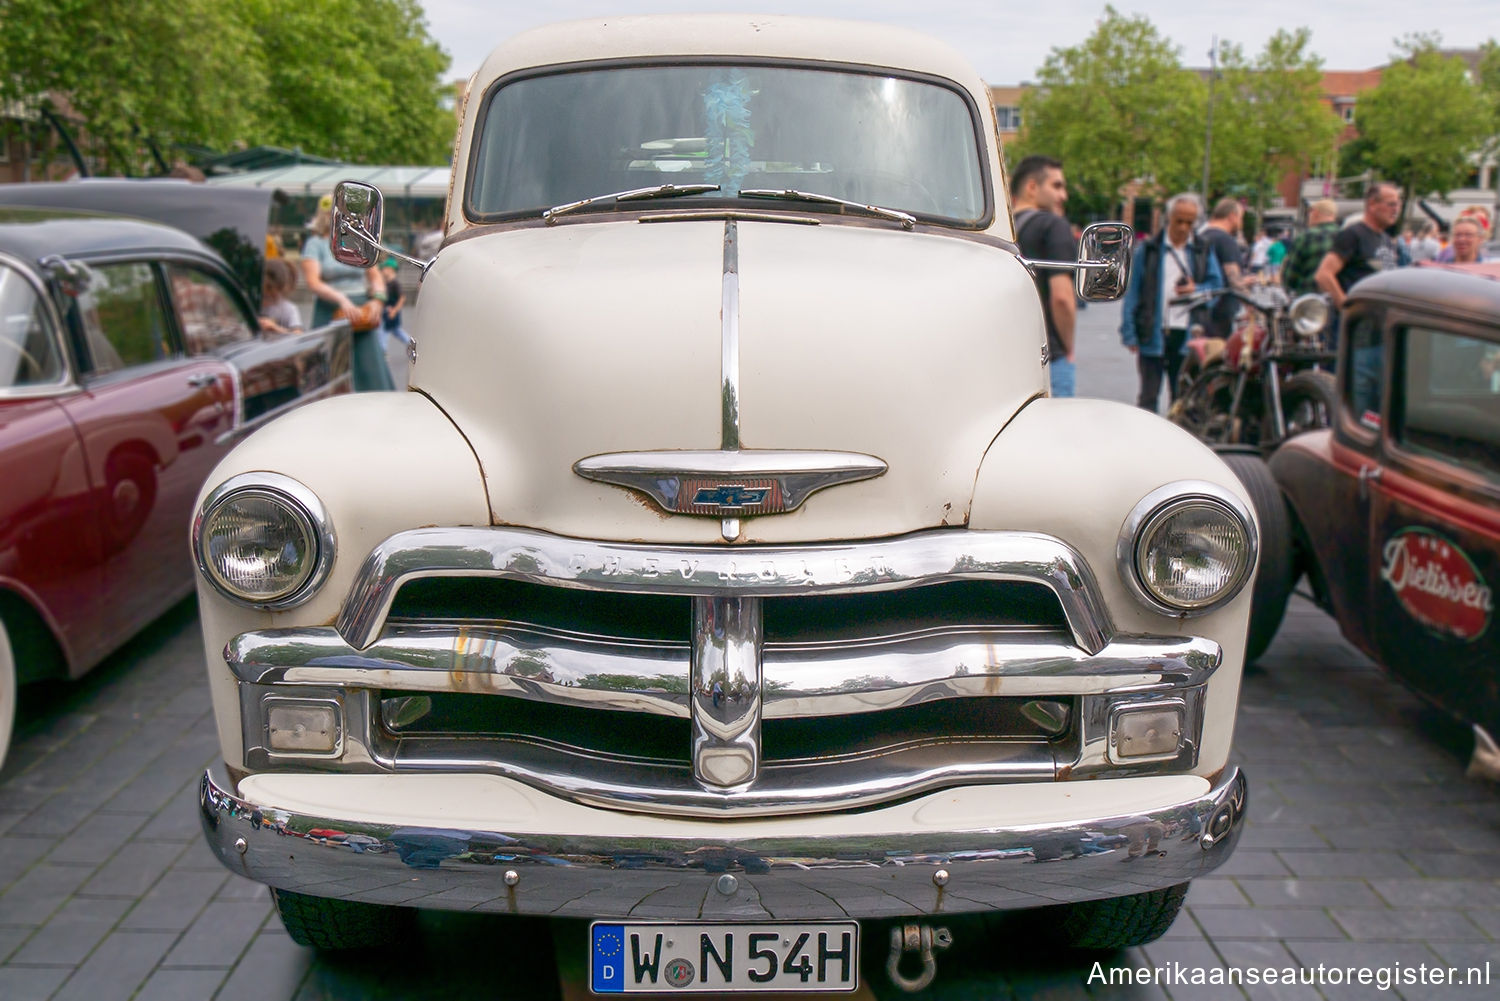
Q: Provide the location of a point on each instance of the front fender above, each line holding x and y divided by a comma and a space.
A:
1074, 468
381, 463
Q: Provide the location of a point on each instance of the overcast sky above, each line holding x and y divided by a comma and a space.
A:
1008, 39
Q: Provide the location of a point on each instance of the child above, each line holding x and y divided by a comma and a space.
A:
277, 313
395, 299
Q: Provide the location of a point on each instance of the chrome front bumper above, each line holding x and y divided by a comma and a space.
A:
815, 872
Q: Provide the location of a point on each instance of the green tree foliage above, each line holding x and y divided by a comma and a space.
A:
1424, 121
1116, 108
354, 79
1269, 115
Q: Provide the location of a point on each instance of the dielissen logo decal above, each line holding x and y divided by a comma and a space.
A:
1437, 583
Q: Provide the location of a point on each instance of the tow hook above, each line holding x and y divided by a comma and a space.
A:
920, 939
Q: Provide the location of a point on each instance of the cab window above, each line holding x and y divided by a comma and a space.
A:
1448, 398
210, 316
120, 315
1366, 369
28, 350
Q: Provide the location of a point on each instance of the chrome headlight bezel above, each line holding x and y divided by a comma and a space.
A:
1169, 500
1309, 313
304, 506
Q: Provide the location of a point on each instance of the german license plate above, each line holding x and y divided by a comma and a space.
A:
626, 958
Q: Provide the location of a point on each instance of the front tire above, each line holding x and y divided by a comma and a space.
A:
1309, 400
341, 925
1273, 584
1119, 922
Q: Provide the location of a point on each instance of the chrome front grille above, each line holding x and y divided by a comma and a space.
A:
714, 680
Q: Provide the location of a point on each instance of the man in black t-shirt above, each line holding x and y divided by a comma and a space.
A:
1361, 248
1222, 236
1038, 193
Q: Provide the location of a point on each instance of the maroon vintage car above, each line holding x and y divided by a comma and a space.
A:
130, 362
1395, 510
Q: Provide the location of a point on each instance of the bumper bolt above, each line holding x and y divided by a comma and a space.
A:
727, 884
940, 878
241, 845
512, 877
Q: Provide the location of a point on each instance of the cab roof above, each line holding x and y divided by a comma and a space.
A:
1472, 290
766, 36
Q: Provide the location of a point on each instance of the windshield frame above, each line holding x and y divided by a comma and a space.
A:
696, 202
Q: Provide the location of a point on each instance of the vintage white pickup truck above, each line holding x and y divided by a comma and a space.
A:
727, 576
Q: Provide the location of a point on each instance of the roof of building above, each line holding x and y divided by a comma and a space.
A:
319, 179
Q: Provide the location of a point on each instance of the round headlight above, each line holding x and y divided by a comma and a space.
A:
1190, 551
1309, 314
263, 540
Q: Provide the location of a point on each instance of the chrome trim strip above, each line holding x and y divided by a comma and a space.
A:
725, 691
650, 877
729, 314
1164, 500
930, 557
296, 493
800, 679
661, 475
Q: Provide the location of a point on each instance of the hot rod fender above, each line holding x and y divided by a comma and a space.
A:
380, 463
1075, 468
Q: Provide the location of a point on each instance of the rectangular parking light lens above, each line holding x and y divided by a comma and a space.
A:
1148, 732
302, 727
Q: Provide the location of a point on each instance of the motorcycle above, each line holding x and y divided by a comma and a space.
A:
1270, 379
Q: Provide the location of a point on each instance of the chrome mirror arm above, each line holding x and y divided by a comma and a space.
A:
359, 232
1064, 265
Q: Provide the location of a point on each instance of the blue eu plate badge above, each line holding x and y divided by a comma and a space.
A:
608, 959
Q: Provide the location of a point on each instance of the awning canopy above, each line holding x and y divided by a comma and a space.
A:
319, 179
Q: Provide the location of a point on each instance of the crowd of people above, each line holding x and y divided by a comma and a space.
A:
1189, 253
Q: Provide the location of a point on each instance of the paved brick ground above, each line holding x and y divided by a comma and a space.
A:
1366, 846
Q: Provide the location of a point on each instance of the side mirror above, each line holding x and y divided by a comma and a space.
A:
1103, 262
358, 211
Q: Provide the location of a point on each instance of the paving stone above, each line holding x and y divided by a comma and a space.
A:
117, 968
1489, 920
17, 854
183, 985
218, 935
11, 937
1310, 893
30, 983
1266, 922
44, 888
1281, 836
1215, 893
132, 870
1454, 864
1410, 925
71, 934
1429, 893
273, 967
175, 901
1374, 864
1253, 959
95, 841
1253, 863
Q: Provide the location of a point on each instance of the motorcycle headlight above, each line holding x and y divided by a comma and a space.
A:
263, 539
1309, 314
1187, 548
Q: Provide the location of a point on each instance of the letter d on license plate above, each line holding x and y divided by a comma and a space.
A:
625, 958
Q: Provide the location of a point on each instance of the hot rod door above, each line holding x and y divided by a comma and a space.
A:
1435, 516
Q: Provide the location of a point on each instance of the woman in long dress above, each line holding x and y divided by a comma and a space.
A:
341, 288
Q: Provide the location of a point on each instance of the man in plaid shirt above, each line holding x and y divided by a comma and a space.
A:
1310, 248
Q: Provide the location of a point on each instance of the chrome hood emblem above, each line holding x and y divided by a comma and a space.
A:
729, 483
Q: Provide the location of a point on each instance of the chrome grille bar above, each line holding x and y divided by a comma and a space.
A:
798, 679
930, 557
726, 691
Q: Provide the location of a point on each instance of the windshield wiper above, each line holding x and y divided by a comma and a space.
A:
906, 219
629, 195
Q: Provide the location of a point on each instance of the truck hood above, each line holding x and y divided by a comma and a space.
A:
549, 345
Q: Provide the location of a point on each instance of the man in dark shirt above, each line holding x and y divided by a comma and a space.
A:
1222, 236
1309, 249
1362, 248
1038, 193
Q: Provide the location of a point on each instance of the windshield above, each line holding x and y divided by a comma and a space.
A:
881, 140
